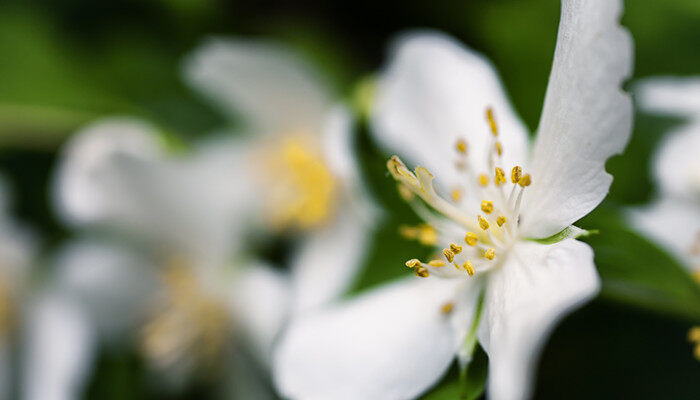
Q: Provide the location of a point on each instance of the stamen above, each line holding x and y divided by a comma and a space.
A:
492, 121
447, 307
436, 263
461, 146
471, 238
484, 224
500, 177
455, 248
501, 220
456, 195
413, 263
499, 148
483, 180
490, 253
525, 180
467, 266
515, 174
449, 255
421, 272
487, 206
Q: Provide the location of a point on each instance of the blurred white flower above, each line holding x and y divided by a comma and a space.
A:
35, 324
511, 267
673, 218
298, 160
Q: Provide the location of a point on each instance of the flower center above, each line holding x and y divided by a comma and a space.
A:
187, 322
302, 190
484, 212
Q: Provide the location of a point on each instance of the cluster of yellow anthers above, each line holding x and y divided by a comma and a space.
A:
482, 238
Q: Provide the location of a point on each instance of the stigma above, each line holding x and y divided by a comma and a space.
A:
489, 229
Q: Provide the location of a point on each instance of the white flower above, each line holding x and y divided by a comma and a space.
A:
673, 218
177, 282
42, 328
299, 164
440, 106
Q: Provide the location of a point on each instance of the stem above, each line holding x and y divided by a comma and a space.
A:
470, 342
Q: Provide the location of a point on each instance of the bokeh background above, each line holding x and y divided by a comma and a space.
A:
64, 63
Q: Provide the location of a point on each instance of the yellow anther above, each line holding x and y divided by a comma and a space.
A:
437, 263
447, 307
525, 180
405, 193
421, 271
483, 223
500, 177
471, 238
499, 148
696, 276
492, 121
460, 165
408, 232
456, 195
490, 253
694, 334
461, 146
449, 255
483, 180
487, 206
501, 220
427, 235
413, 263
455, 248
515, 174
467, 266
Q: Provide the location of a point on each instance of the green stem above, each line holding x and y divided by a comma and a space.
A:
469, 345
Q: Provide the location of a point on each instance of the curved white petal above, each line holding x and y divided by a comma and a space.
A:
260, 301
390, 343
436, 91
535, 288
670, 95
675, 225
274, 90
111, 282
677, 165
59, 347
81, 187
585, 120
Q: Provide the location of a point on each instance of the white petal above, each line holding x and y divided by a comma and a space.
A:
585, 120
670, 95
110, 281
533, 290
260, 301
674, 224
390, 343
677, 165
81, 192
265, 83
59, 348
436, 91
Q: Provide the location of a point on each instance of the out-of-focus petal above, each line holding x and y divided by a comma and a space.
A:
670, 95
271, 88
59, 346
677, 165
525, 298
586, 117
436, 91
391, 343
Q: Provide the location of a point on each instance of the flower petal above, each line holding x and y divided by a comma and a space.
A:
268, 85
436, 91
80, 189
676, 163
535, 288
390, 343
674, 224
585, 120
670, 95
110, 281
59, 347
260, 302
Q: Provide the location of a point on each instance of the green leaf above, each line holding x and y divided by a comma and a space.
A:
637, 272
452, 388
